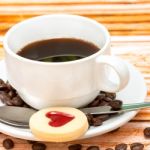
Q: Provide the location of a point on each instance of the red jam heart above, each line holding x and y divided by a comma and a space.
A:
59, 119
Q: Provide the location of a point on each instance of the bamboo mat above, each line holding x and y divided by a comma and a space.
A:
122, 18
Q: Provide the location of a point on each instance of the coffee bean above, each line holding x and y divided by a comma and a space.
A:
3, 87
102, 117
101, 97
94, 103
102, 92
4, 97
38, 146
121, 146
108, 149
93, 148
111, 95
97, 121
11, 94
116, 104
1, 81
8, 144
107, 99
10, 88
136, 146
103, 103
17, 101
3, 93
147, 132
9, 103
75, 147
90, 119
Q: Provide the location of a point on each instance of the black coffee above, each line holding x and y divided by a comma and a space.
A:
58, 50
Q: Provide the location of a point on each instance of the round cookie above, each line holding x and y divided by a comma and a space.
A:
58, 124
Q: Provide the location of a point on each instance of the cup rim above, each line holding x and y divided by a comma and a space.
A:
10, 31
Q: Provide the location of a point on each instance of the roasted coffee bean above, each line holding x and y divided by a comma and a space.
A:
9, 103
121, 146
90, 119
3, 93
1, 81
108, 94
12, 94
75, 147
101, 97
109, 149
94, 103
38, 146
10, 88
97, 121
116, 104
4, 97
111, 95
93, 148
103, 103
3, 87
147, 132
136, 146
102, 92
8, 144
102, 117
17, 101
107, 99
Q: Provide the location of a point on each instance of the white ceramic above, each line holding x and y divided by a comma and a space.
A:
73, 83
134, 92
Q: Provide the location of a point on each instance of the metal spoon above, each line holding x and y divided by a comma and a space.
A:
19, 116
16, 116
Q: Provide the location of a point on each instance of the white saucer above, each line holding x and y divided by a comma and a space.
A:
134, 92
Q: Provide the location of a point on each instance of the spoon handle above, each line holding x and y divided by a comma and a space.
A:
135, 106
107, 109
130, 107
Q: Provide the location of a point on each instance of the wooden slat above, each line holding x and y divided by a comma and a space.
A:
78, 8
112, 27
130, 32
143, 115
140, 18
114, 16
72, 1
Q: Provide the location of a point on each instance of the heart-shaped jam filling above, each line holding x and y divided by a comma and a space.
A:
59, 119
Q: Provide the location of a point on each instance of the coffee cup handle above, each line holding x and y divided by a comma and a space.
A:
119, 67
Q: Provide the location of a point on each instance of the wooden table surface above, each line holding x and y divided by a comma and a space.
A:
129, 24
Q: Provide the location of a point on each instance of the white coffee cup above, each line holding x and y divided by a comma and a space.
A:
73, 83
